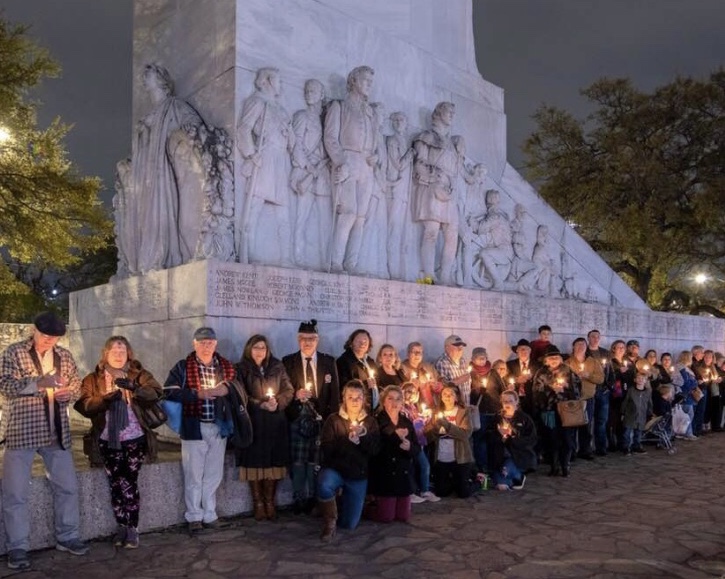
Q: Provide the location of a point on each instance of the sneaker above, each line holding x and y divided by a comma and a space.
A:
74, 547
639, 450
416, 499
517, 486
430, 497
215, 524
627, 452
18, 559
195, 526
131, 541
120, 537
690, 437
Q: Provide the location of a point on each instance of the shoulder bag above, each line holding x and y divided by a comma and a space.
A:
572, 412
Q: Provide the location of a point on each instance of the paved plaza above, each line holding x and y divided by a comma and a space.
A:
646, 516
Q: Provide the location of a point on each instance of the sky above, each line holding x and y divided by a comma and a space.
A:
538, 51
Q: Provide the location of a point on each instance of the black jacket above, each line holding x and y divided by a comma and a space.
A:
341, 454
391, 468
328, 386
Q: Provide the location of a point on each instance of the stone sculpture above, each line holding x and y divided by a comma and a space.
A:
310, 180
164, 191
265, 140
438, 158
495, 244
398, 176
471, 209
350, 136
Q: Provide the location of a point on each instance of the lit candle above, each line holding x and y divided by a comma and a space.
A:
427, 376
440, 415
511, 381
371, 373
581, 367
423, 408
604, 362
645, 367
527, 371
270, 393
470, 367
485, 382
413, 375
308, 386
625, 363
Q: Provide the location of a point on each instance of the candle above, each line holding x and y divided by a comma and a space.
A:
527, 372
371, 373
511, 381
470, 367
270, 393
485, 382
308, 386
440, 415
413, 375
645, 367
625, 363
604, 362
581, 367
423, 408
427, 376
354, 422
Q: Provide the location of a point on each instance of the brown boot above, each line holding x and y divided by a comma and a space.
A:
328, 509
269, 487
255, 486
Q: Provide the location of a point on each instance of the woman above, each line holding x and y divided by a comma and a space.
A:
450, 434
687, 388
112, 397
269, 389
711, 379
422, 374
486, 396
657, 374
554, 383
623, 378
349, 439
391, 470
389, 372
591, 374
355, 364
513, 445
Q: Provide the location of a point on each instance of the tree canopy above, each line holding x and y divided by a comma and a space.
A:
642, 179
50, 215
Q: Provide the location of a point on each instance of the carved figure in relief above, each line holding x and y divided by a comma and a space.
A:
125, 235
373, 258
438, 158
398, 173
310, 177
543, 277
493, 260
350, 136
471, 209
265, 140
166, 179
521, 262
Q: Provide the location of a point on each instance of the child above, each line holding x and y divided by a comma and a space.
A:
539, 345
636, 407
419, 416
662, 403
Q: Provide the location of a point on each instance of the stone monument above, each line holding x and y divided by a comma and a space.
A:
234, 212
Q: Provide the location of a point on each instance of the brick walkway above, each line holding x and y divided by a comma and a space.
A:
644, 516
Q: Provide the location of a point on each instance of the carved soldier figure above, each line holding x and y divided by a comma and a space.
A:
265, 140
350, 136
310, 178
495, 238
398, 171
438, 158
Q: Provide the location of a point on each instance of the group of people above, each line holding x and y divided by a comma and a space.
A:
358, 436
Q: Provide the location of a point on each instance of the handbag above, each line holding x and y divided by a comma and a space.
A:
680, 421
572, 413
474, 416
152, 415
697, 394
92, 449
173, 414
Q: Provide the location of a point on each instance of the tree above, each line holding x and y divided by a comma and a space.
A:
642, 178
50, 215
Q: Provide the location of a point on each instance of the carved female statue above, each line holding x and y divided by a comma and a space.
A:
161, 178
265, 140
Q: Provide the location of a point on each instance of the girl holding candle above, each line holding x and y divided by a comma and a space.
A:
450, 434
265, 461
391, 469
624, 372
712, 380
388, 367
350, 437
419, 413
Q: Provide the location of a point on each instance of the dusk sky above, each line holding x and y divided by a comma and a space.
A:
539, 51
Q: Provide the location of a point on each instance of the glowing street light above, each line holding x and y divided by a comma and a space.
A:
701, 278
5, 135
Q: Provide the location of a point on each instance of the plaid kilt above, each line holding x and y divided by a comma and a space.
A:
303, 450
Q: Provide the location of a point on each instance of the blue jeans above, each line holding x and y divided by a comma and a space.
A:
481, 439
601, 416
699, 418
632, 438
508, 473
329, 481
423, 482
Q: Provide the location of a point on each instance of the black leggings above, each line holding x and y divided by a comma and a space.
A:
451, 476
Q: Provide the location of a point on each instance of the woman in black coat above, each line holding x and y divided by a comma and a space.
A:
269, 389
513, 444
390, 470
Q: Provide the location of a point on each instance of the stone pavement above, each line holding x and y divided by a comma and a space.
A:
645, 516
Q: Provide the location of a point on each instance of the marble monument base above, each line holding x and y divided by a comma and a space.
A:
158, 313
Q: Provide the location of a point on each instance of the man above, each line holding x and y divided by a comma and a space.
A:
521, 369
350, 136
632, 354
317, 393
438, 159
38, 381
601, 396
453, 367
198, 383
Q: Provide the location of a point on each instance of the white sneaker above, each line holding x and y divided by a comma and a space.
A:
691, 437
415, 499
430, 497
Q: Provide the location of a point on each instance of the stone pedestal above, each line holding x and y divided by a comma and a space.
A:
159, 312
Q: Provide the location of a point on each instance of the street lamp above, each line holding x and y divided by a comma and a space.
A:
701, 278
5, 135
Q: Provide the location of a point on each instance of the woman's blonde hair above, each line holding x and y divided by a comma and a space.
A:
109, 344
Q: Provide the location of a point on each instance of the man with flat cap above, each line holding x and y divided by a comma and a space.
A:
317, 395
453, 368
196, 382
38, 381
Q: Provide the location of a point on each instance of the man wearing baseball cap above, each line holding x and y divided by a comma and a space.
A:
38, 380
195, 382
453, 368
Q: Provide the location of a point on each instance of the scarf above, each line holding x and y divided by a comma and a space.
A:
193, 409
117, 413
